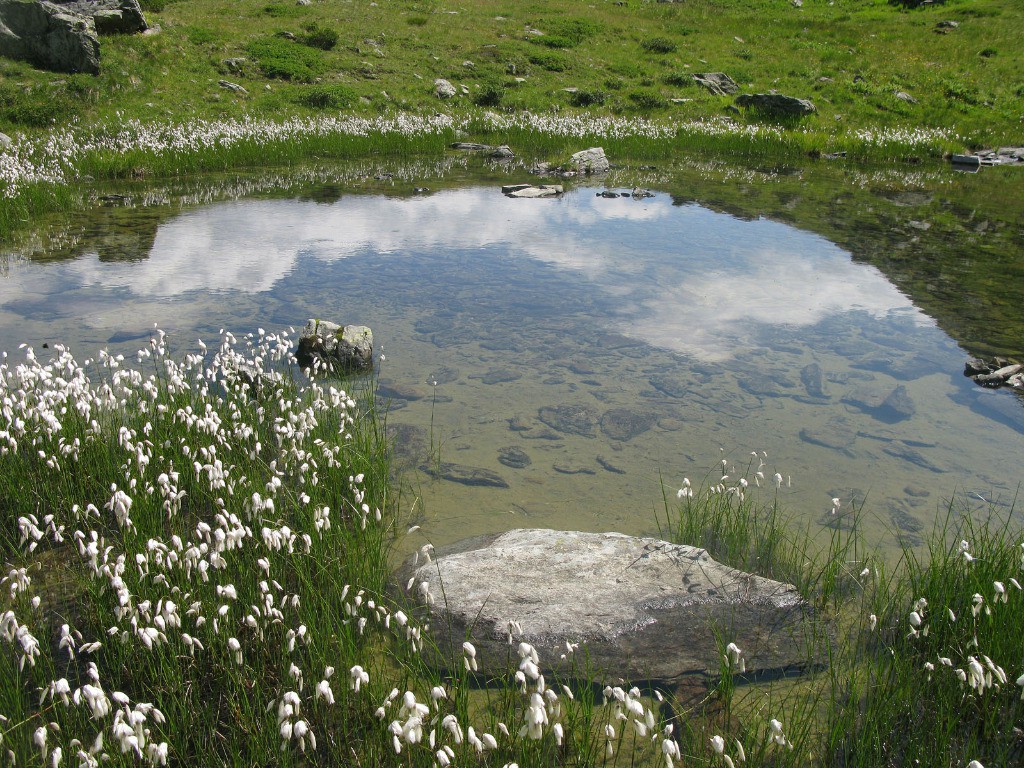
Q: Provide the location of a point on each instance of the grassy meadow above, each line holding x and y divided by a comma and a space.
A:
851, 57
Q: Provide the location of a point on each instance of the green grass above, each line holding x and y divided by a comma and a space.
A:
849, 57
606, 60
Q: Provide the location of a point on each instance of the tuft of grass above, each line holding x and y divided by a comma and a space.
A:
283, 59
320, 37
660, 45
335, 96
567, 33
551, 61
282, 10
23, 107
588, 98
647, 99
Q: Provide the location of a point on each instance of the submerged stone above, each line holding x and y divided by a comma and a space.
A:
569, 419
564, 468
813, 379
883, 404
640, 608
465, 475
393, 390
609, 466
901, 450
514, 457
625, 424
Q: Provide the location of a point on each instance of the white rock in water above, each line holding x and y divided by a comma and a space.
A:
591, 160
336, 347
640, 608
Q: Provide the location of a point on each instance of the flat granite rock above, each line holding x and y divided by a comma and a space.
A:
640, 608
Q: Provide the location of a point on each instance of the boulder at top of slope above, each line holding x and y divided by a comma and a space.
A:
110, 16
640, 608
48, 36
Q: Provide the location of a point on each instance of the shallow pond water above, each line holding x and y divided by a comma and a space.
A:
559, 362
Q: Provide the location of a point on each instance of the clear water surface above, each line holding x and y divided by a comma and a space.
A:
587, 351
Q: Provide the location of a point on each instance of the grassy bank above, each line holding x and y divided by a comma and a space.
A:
888, 81
196, 559
45, 175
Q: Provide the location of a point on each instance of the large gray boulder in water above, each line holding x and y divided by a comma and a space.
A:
326, 345
640, 608
48, 36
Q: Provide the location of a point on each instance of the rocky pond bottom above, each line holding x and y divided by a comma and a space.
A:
567, 362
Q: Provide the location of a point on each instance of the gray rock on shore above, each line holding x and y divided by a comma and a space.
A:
776, 104
589, 161
640, 608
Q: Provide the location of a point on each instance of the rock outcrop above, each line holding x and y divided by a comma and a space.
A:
639, 608
47, 36
111, 17
63, 37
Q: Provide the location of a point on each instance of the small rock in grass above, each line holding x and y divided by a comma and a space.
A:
443, 89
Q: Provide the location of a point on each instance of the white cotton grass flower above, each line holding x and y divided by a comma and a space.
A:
324, 691
236, 649
776, 734
670, 751
358, 677
718, 744
536, 717
469, 656
734, 658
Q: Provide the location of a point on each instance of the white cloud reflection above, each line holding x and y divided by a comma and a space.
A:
695, 281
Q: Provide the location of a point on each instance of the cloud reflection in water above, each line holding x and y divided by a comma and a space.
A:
684, 277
